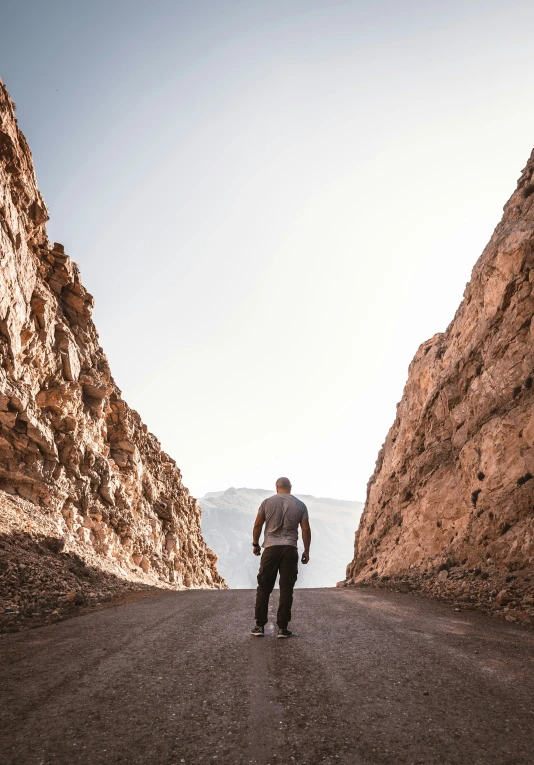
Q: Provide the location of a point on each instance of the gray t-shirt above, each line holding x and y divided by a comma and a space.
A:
282, 514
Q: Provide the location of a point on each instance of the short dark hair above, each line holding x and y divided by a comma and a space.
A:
283, 483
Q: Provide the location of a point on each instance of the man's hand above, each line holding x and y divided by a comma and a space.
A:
306, 539
256, 531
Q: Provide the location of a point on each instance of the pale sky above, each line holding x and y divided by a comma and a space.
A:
274, 203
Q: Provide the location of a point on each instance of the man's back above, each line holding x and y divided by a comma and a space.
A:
282, 514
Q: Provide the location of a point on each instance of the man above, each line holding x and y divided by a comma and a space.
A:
282, 513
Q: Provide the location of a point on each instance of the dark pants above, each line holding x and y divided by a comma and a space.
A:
283, 559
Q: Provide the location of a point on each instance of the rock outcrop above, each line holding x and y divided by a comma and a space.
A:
76, 463
450, 506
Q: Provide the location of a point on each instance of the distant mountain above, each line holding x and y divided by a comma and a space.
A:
227, 521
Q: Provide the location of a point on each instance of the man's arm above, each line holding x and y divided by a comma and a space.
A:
306, 538
256, 531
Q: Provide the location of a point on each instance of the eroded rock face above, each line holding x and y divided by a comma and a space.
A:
69, 445
453, 486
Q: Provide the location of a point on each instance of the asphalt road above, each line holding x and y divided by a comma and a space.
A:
371, 678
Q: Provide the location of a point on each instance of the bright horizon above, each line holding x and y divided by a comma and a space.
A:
273, 205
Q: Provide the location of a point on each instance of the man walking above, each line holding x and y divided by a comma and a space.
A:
282, 514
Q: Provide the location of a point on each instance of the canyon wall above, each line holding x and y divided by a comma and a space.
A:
83, 484
450, 506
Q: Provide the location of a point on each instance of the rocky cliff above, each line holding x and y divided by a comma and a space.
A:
83, 485
450, 506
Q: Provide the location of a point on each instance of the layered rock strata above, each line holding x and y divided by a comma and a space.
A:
450, 506
76, 463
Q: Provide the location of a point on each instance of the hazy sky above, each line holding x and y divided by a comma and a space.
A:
274, 203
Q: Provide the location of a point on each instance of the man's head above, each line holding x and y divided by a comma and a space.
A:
283, 486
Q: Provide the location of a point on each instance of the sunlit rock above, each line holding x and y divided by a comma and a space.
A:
453, 487
75, 461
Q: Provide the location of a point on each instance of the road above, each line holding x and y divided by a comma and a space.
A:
371, 678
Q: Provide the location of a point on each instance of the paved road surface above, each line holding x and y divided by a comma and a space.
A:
372, 678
